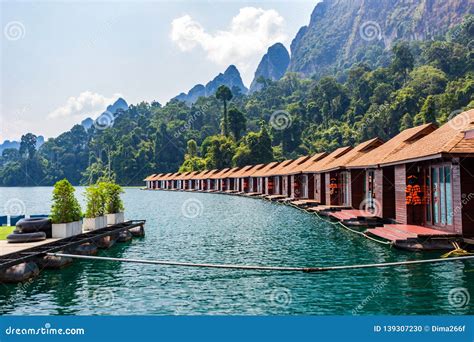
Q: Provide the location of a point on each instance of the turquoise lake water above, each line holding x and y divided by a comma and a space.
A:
213, 228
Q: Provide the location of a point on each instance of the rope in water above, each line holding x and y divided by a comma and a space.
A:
261, 268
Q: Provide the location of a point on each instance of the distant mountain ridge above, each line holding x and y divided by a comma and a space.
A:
16, 144
272, 66
342, 32
119, 104
231, 78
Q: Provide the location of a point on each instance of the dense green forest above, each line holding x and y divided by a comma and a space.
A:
414, 83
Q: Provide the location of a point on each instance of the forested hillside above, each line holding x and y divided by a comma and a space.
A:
416, 82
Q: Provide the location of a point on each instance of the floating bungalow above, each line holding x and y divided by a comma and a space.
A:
415, 190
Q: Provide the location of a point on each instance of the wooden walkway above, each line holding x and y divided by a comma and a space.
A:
7, 248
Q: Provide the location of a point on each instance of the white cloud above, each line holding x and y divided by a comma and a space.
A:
249, 35
86, 104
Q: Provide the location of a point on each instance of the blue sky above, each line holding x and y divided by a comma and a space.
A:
63, 61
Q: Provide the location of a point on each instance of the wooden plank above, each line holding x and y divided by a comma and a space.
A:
419, 230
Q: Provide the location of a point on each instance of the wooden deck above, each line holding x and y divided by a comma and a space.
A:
7, 248
328, 208
305, 202
351, 214
253, 194
413, 237
274, 197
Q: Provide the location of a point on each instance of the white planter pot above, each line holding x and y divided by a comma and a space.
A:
115, 218
94, 223
64, 230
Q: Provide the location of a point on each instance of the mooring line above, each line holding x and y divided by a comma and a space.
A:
263, 268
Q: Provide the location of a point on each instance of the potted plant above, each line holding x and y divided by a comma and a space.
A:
114, 204
94, 217
65, 211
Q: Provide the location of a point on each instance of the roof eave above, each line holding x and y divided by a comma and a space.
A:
413, 160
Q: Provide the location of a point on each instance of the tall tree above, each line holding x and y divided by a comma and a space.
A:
224, 94
28, 145
237, 123
403, 60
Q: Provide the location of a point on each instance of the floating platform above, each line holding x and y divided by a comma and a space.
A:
28, 252
326, 209
306, 202
274, 197
415, 238
253, 194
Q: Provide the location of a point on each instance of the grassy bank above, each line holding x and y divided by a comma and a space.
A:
4, 231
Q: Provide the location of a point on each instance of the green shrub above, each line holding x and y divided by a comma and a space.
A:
96, 200
65, 206
113, 201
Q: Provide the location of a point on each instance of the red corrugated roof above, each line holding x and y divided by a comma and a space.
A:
321, 164
352, 155
448, 139
396, 144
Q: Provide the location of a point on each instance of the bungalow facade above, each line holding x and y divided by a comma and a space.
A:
196, 180
228, 180
244, 180
303, 183
313, 171
277, 178
162, 180
149, 182
237, 177
188, 180
250, 180
291, 180
265, 183
346, 187
434, 178
216, 180
379, 183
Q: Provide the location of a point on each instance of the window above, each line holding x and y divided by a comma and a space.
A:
344, 181
304, 185
285, 185
441, 196
449, 197
370, 190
